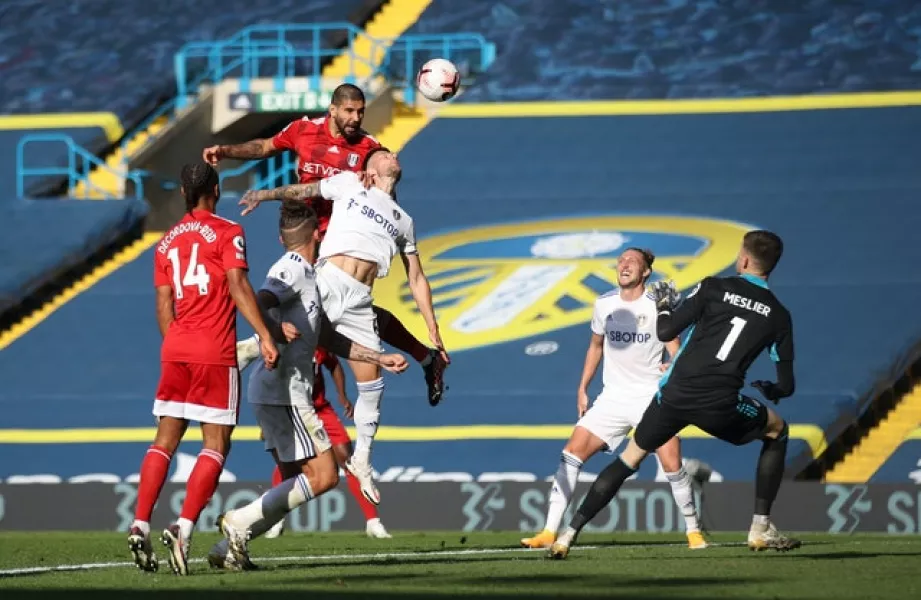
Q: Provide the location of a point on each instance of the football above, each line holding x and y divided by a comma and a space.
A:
438, 80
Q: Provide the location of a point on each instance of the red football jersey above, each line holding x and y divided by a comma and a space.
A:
193, 259
321, 359
320, 155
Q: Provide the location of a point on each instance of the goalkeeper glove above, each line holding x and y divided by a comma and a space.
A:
665, 295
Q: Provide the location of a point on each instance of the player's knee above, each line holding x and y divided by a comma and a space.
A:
216, 438
326, 479
169, 433
217, 444
777, 427
581, 444
669, 455
784, 432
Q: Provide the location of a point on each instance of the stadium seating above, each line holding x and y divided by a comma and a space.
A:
591, 49
40, 239
118, 56
40, 155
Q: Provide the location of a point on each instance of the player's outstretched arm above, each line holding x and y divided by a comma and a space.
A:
245, 298
296, 191
673, 320
422, 294
592, 359
251, 150
346, 348
165, 314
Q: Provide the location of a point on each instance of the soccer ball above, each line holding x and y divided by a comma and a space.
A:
438, 80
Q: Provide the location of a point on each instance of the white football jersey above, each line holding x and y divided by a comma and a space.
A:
293, 281
632, 350
366, 223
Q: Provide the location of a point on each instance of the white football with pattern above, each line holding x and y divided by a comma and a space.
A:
438, 80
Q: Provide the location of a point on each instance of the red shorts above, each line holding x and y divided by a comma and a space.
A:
203, 393
333, 425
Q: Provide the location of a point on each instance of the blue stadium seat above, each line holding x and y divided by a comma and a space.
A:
40, 239
43, 155
117, 56
592, 50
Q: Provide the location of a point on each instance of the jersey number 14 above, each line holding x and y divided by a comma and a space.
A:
195, 274
738, 324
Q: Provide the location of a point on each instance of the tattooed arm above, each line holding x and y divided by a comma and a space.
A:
251, 150
253, 198
337, 343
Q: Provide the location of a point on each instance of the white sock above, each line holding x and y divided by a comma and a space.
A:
185, 528
367, 417
761, 520
561, 491
259, 515
684, 497
144, 526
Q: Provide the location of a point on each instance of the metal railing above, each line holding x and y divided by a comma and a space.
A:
272, 172
285, 51
470, 52
80, 162
270, 51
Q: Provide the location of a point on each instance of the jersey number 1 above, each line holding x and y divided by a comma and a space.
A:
738, 324
195, 273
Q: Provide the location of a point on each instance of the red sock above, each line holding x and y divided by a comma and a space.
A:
276, 476
369, 510
154, 469
400, 338
202, 483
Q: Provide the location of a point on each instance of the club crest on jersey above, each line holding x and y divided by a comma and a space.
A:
502, 282
353, 159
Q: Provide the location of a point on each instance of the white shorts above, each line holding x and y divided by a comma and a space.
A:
348, 305
294, 432
611, 419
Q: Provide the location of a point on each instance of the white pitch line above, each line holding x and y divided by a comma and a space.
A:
347, 557
299, 558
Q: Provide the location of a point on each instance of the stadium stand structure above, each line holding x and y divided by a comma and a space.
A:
107, 56
42, 239
92, 137
591, 49
501, 243
119, 56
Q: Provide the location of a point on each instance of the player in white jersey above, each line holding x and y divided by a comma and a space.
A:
366, 231
624, 337
282, 398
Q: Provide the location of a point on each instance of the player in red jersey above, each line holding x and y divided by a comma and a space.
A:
338, 437
200, 278
325, 147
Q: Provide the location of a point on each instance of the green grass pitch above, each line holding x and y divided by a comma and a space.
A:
479, 565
